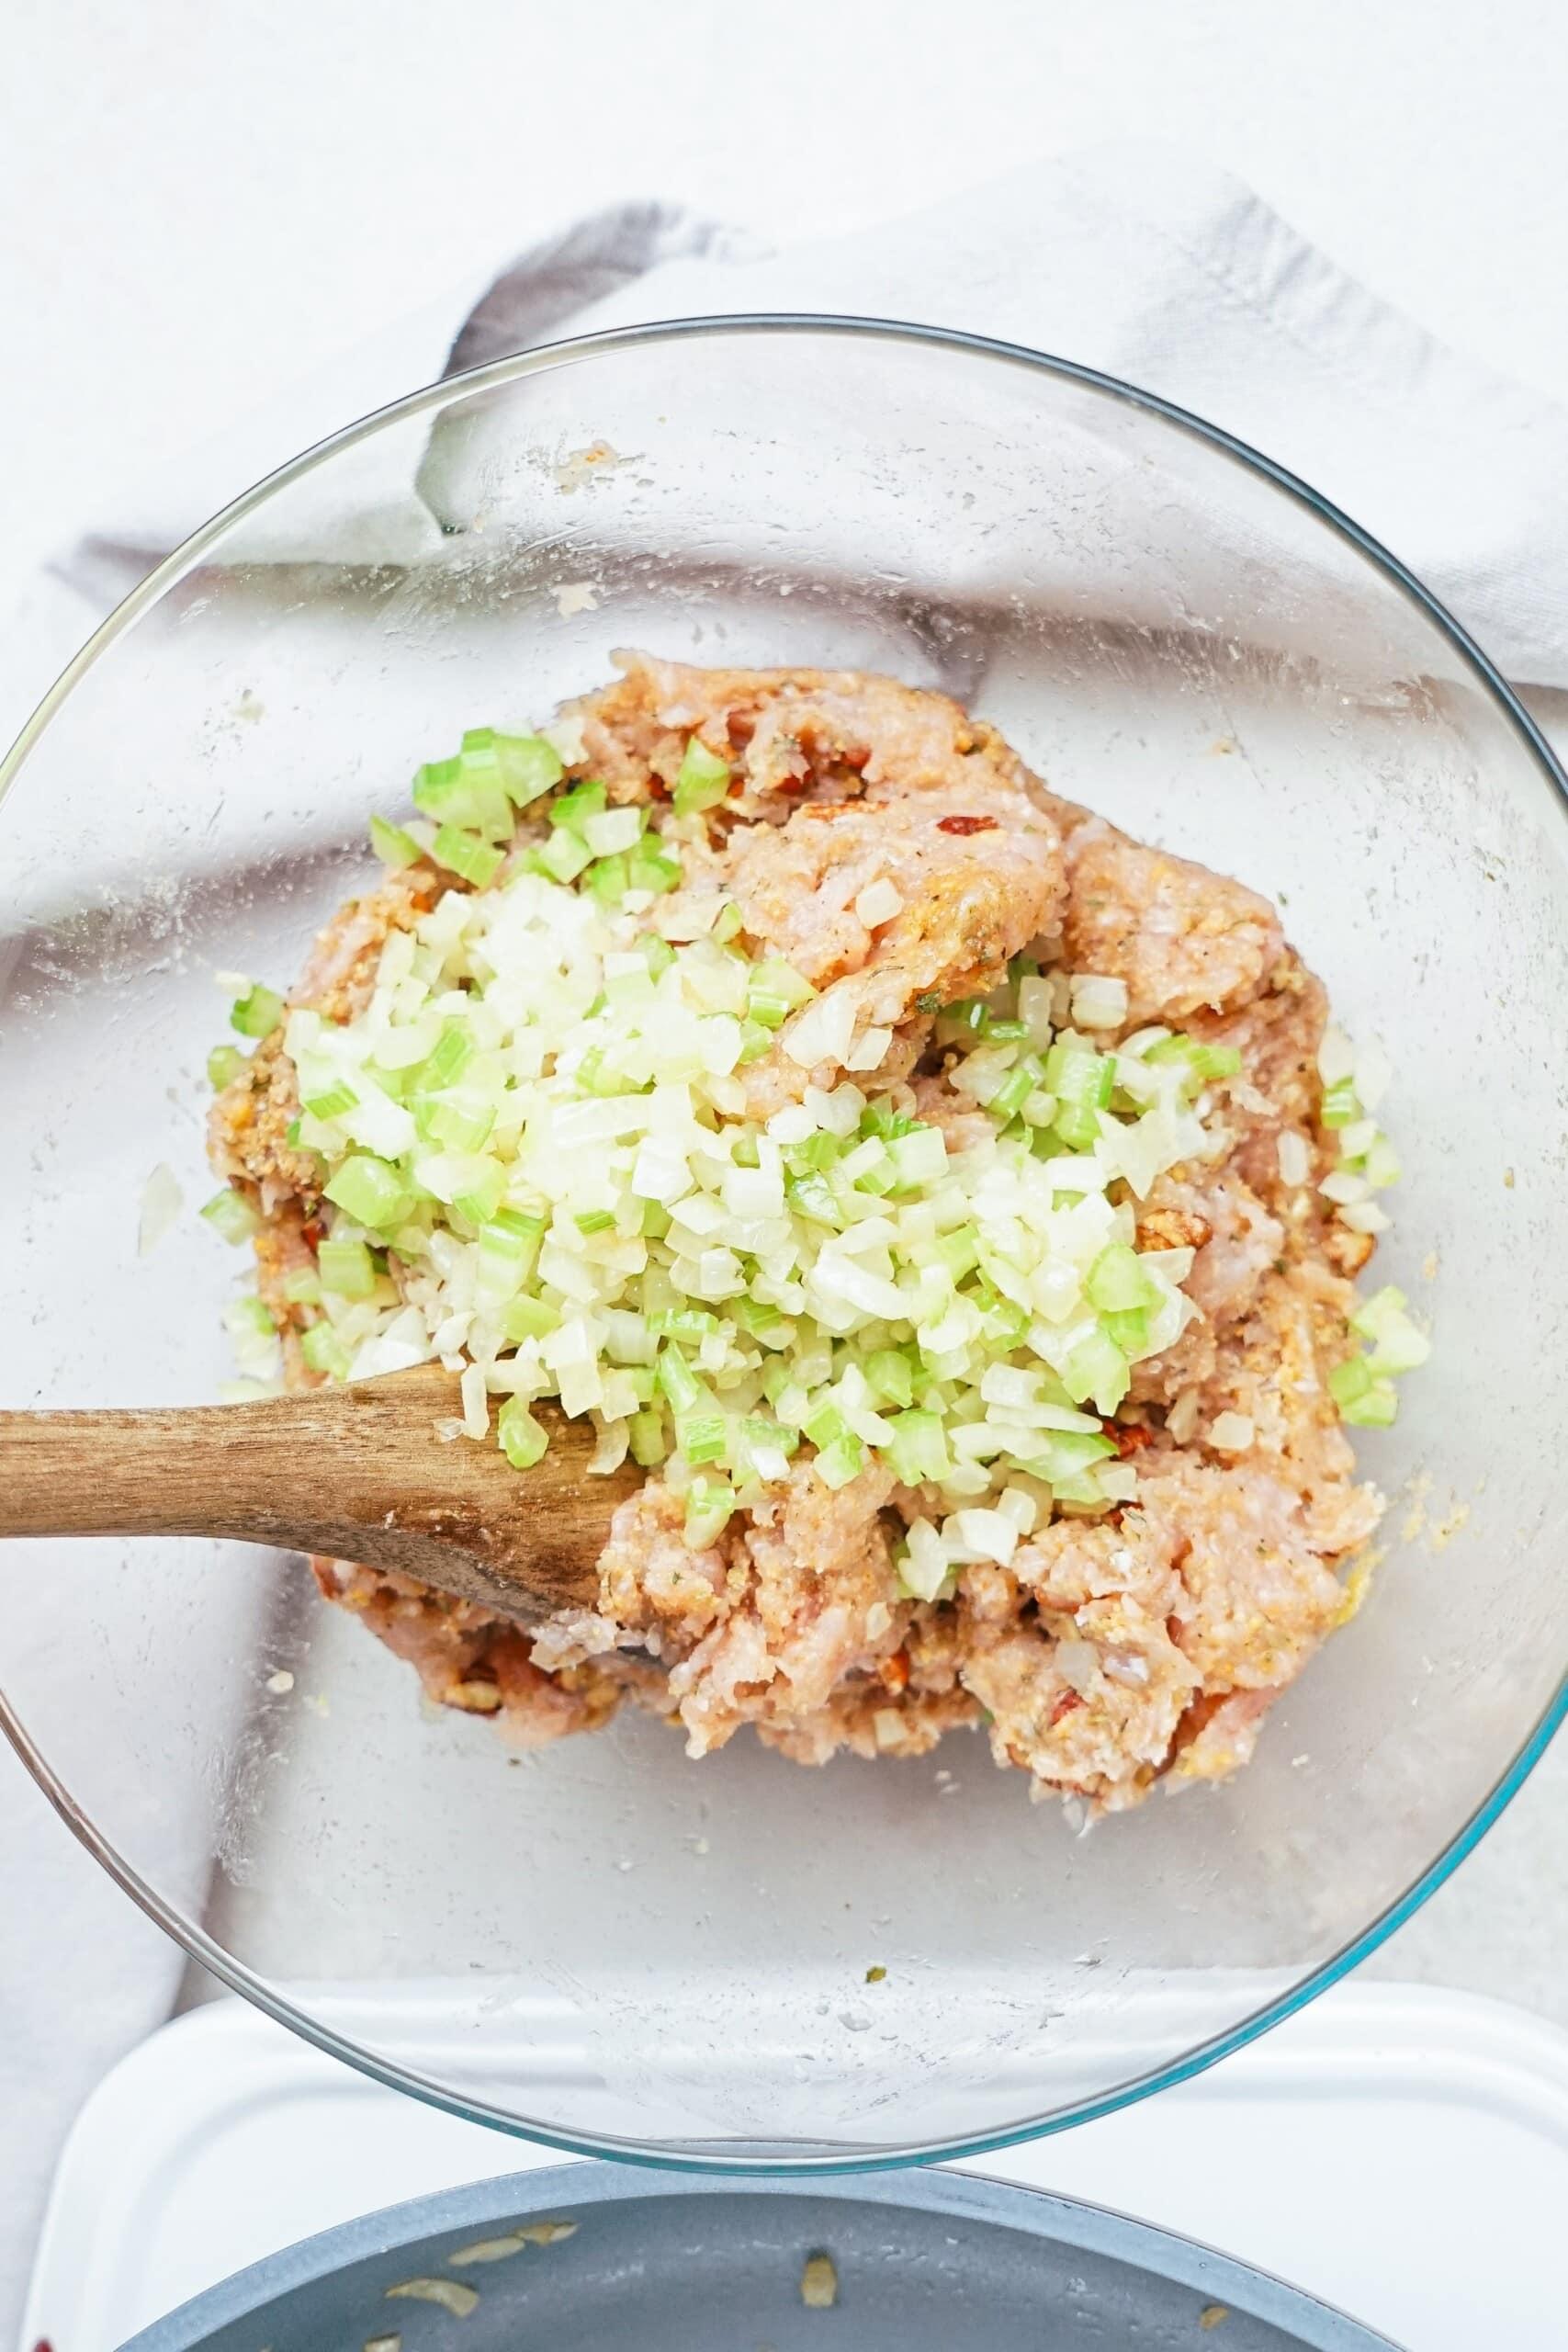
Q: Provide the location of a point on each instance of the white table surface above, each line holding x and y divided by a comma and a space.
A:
196, 202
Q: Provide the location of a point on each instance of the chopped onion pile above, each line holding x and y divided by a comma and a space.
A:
540, 1112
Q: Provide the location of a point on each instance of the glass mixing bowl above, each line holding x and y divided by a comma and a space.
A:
601, 1943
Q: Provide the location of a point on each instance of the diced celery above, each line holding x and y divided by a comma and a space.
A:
395, 848
1062, 1454
324, 1352
959, 1250
1007, 1323
614, 830
521, 1438
371, 1192
1400, 1347
689, 1325
347, 1268
462, 1122
1117, 1281
1365, 1399
1096, 1367
825, 1425
1084, 1490
890, 1377
813, 1197
224, 1065
484, 1182
818, 1151
513, 1233
332, 1103
466, 854
680, 1386
574, 807
774, 991
756, 1430
454, 1051
882, 1120
646, 1437
764, 1322
702, 1437
918, 1157
1373, 1315
256, 1014
1129, 1327
837, 1464
230, 1214
528, 765
249, 1318
1013, 1092
608, 880
564, 856
703, 780
527, 1318
1381, 1164
918, 1448
651, 867
709, 1503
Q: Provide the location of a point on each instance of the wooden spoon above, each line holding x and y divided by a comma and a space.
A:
358, 1473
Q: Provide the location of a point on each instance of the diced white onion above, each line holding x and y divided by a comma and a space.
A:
613, 830
1372, 1072
1335, 1057
925, 1565
1035, 1002
162, 1201
870, 1051
823, 1032
1181, 1421
565, 738
1020, 1508
1295, 1158
476, 1401
1078, 1663
878, 903
1098, 1003
981, 1536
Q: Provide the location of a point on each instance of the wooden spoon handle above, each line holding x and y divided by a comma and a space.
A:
233, 1470
358, 1473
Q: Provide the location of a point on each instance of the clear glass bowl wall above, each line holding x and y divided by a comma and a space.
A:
602, 1942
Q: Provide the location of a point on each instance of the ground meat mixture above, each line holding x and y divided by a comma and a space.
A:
1113, 1651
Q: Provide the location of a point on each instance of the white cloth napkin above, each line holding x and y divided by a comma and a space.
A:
1138, 261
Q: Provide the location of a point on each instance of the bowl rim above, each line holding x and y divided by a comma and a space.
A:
1019, 2208
194, 1939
